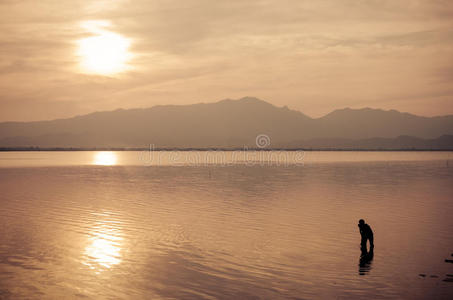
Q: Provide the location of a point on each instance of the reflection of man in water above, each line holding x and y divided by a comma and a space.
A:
365, 261
366, 233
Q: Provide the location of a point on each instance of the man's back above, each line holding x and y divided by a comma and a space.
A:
365, 230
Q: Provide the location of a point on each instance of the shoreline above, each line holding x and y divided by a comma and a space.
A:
61, 149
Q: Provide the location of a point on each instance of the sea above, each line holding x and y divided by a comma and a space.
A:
225, 224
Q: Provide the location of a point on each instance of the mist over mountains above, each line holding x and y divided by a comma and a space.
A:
234, 124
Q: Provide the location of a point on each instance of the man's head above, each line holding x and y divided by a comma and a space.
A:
361, 221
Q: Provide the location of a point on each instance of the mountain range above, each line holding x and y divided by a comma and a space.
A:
232, 124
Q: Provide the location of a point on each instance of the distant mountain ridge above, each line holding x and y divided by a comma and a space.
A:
228, 123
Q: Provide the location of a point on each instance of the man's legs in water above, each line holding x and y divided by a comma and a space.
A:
363, 243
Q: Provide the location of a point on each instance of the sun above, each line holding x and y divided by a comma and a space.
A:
104, 52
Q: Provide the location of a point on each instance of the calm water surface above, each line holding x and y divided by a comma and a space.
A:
194, 225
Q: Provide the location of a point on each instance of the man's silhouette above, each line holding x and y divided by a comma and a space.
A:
366, 233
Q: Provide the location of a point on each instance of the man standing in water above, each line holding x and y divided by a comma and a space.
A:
366, 233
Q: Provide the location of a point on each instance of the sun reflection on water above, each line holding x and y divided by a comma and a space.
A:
105, 158
104, 248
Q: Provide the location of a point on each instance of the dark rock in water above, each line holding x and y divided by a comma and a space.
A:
422, 275
449, 275
434, 276
448, 280
449, 260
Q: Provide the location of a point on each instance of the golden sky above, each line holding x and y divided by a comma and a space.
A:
68, 57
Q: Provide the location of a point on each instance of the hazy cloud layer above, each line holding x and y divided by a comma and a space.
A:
314, 56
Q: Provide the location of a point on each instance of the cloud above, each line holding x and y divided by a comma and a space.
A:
314, 56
